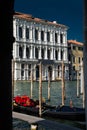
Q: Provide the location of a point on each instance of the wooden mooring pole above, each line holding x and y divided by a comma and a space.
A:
49, 85
82, 84
78, 85
63, 84
31, 82
40, 89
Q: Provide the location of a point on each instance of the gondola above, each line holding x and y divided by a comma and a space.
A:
67, 113
60, 112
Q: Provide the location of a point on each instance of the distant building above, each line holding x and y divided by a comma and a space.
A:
38, 39
75, 57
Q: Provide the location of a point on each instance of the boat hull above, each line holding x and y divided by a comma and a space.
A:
74, 116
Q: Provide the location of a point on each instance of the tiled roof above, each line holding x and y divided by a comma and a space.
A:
38, 20
75, 42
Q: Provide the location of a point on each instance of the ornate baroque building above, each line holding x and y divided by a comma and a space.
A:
38, 39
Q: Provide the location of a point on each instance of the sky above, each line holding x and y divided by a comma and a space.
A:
67, 12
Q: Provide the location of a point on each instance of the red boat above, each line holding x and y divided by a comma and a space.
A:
24, 100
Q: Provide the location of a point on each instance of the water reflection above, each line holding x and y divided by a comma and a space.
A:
19, 124
23, 88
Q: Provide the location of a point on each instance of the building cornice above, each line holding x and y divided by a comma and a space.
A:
29, 17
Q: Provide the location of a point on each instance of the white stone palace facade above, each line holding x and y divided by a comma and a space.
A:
37, 39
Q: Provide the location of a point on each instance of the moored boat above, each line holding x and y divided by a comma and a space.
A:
67, 113
60, 112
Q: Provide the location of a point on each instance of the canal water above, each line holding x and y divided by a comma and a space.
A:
24, 88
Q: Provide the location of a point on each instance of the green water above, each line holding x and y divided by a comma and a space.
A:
24, 88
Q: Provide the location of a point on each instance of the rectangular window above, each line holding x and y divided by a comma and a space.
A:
48, 36
80, 48
16, 31
74, 47
56, 37
29, 70
36, 53
79, 60
22, 69
27, 33
73, 67
36, 34
42, 35
48, 54
61, 38
73, 59
42, 53
56, 54
20, 32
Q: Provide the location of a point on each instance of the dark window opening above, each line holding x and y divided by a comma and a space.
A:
20, 32
73, 59
61, 38
79, 60
29, 70
27, 33
56, 54
37, 72
20, 52
42, 53
36, 34
48, 36
48, 54
74, 47
61, 55
36, 53
74, 68
27, 52
22, 69
56, 37
42, 35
